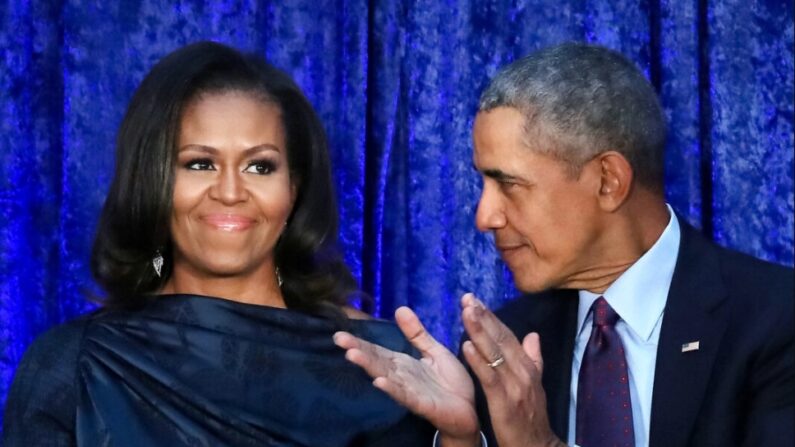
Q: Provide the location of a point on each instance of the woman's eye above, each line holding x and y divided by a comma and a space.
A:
261, 167
200, 165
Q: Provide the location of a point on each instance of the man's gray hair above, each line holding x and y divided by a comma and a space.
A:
580, 100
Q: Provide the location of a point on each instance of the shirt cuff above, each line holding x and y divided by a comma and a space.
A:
483, 442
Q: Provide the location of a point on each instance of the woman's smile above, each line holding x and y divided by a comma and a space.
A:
228, 222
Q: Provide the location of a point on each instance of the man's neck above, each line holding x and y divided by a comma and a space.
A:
628, 234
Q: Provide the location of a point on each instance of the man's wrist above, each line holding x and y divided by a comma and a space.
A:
444, 440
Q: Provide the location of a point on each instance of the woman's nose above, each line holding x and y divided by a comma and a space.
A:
229, 188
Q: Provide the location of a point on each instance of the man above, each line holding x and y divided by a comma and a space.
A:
645, 332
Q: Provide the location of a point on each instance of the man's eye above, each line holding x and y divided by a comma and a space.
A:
261, 167
200, 165
507, 186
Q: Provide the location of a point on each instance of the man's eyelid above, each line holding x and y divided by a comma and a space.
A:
508, 183
510, 180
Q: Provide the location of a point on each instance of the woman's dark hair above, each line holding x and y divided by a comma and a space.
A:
134, 224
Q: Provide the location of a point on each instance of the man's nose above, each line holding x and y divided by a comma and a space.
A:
491, 213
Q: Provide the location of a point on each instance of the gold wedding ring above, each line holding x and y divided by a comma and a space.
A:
500, 360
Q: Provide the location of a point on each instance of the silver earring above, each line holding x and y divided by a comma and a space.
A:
279, 277
157, 262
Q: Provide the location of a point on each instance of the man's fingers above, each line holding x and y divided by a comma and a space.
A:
415, 332
375, 360
492, 325
531, 345
345, 340
468, 299
482, 341
487, 375
491, 338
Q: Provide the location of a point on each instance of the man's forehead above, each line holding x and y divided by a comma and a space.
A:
496, 167
501, 114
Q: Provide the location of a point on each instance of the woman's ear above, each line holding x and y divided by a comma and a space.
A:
295, 184
615, 180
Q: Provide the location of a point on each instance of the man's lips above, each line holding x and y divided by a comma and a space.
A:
228, 222
508, 247
506, 250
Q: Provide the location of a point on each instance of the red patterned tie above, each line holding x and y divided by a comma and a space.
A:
604, 407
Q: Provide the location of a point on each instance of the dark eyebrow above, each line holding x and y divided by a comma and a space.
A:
261, 148
199, 148
213, 151
499, 175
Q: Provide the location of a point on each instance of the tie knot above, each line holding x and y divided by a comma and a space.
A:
603, 314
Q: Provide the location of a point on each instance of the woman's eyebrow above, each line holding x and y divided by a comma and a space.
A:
213, 151
261, 148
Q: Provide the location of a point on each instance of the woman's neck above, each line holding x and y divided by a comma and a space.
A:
257, 287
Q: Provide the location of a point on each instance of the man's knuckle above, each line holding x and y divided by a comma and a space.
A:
525, 378
502, 337
514, 391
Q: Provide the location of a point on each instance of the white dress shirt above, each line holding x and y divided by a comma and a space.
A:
638, 296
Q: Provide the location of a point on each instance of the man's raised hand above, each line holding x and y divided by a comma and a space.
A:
436, 387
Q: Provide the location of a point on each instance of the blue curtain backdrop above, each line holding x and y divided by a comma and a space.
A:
396, 84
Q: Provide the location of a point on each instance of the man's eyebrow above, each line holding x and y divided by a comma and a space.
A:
499, 175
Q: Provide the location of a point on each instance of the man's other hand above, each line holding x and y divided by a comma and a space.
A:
510, 374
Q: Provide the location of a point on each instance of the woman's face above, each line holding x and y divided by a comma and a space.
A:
232, 190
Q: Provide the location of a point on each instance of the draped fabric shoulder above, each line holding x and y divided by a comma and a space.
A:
42, 402
192, 370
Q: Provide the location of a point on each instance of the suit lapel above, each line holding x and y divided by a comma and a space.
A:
557, 329
693, 313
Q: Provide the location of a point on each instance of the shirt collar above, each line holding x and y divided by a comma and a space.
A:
640, 293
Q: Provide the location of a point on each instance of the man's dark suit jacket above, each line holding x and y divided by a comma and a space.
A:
736, 389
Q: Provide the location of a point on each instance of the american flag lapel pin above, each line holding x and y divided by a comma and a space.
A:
692, 346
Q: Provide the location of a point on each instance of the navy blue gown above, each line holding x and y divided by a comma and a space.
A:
201, 371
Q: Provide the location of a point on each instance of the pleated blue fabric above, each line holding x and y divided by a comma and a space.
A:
204, 371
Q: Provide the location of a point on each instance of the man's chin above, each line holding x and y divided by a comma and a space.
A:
532, 285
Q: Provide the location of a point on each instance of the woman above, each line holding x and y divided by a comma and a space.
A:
215, 248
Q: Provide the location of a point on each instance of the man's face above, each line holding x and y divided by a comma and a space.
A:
545, 221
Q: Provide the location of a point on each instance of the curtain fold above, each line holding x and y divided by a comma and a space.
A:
396, 84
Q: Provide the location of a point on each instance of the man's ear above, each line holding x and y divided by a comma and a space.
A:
616, 178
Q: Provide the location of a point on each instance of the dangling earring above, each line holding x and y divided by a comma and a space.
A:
279, 279
157, 262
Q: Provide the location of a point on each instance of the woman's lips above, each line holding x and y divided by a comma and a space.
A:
228, 222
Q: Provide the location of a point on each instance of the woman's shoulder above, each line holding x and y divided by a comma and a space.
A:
42, 398
355, 314
58, 340
54, 352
